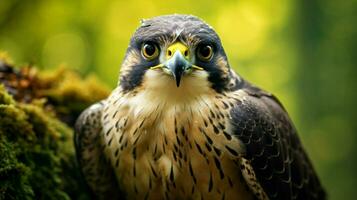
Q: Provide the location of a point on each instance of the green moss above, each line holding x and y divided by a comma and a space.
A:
36, 151
5, 98
71, 94
37, 156
13, 174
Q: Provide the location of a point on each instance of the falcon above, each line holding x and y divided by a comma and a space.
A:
181, 124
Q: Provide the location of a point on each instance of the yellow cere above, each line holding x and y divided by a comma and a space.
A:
177, 46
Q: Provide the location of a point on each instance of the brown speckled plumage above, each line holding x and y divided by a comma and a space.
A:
214, 137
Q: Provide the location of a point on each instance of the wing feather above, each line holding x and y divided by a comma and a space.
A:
96, 169
273, 149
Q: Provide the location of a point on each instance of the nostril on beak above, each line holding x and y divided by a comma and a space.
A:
169, 53
186, 53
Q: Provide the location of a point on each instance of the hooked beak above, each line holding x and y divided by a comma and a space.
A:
177, 62
177, 65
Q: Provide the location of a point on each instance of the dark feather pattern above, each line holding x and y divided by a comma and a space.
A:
96, 169
270, 153
273, 147
165, 30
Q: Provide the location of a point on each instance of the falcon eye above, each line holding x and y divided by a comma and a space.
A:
205, 52
149, 51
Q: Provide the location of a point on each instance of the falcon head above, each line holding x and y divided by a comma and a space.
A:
178, 53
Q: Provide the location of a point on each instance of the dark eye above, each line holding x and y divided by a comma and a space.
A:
150, 51
205, 52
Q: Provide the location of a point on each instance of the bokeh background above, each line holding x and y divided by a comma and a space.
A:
303, 51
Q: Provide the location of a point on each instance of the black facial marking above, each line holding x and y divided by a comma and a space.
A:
218, 78
135, 76
195, 33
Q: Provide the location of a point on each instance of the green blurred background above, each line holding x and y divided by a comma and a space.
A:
302, 51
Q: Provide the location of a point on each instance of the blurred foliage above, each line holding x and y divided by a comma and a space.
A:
302, 51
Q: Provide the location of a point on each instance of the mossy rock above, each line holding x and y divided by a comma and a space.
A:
37, 155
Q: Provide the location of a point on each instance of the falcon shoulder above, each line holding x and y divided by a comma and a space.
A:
275, 165
89, 144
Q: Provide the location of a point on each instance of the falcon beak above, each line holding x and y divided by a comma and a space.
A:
177, 65
177, 61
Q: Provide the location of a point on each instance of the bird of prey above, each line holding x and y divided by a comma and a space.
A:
181, 124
